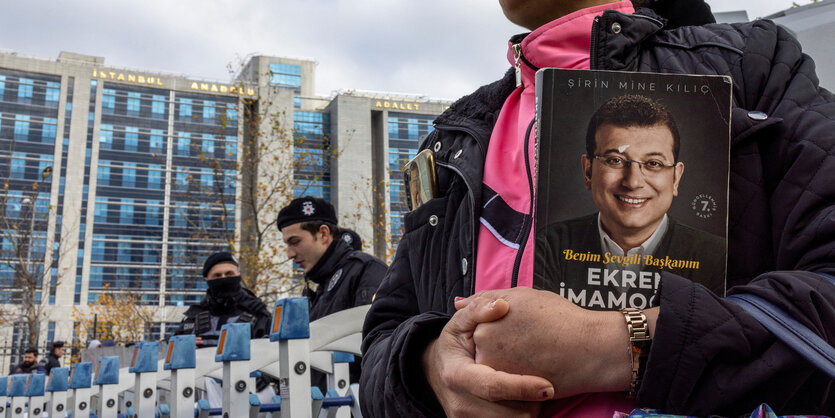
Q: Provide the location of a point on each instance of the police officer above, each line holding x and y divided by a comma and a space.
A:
344, 277
226, 302
53, 359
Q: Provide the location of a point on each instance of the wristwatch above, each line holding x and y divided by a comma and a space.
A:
639, 344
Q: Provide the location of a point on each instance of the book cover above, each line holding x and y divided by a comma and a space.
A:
632, 179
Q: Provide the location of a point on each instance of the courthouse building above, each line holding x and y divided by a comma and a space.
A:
126, 179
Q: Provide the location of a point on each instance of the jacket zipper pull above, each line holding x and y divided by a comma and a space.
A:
517, 56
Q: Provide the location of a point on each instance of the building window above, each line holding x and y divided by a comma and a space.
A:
103, 173
231, 111
124, 254
285, 74
49, 130
129, 175
231, 148
393, 128
155, 176
53, 93
182, 181
134, 103
100, 213
131, 138
151, 255
158, 107
312, 188
185, 108
208, 111
18, 170
310, 123
21, 128
183, 143
2, 87
126, 212
108, 100
309, 159
106, 137
180, 214
24, 90
156, 140
208, 145
413, 128
152, 214
207, 178
99, 249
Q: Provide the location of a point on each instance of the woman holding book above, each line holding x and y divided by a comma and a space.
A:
429, 351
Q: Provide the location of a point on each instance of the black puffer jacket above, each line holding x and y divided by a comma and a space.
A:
708, 356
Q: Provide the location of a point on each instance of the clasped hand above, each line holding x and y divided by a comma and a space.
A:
504, 351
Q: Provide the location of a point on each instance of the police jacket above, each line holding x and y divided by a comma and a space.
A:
346, 278
207, 317
708, 355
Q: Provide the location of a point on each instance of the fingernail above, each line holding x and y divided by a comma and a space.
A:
546, 393
492, 304
459, 298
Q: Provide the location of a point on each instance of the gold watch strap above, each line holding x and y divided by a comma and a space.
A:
639, 345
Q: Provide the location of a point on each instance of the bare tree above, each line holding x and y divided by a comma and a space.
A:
270, 154
21, 216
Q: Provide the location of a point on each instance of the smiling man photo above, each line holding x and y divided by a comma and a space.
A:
633, 171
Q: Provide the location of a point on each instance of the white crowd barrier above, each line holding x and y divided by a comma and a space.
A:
165, 382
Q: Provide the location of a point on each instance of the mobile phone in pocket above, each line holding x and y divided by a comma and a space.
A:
420, 180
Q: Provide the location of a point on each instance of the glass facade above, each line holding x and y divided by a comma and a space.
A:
202, 200
29, 115
147, 177
131, 199
28, 137
285, 75
405, 132
122, 194
311, 154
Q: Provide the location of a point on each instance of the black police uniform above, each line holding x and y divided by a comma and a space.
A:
207, 317
346, 278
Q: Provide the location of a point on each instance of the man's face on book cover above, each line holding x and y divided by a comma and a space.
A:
633, 178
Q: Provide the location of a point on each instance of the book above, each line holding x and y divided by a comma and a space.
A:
632, 175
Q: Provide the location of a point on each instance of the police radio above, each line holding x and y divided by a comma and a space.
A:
202, 323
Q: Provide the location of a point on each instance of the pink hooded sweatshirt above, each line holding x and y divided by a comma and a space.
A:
563, 43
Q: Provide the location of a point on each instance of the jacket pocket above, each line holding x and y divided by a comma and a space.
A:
427, 237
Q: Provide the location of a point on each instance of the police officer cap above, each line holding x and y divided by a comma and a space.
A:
57, 344
221, 257
306, 209
352, 238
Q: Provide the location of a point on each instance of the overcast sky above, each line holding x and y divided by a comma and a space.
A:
437, 48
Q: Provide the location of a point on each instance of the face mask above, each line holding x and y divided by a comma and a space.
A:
224, 287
